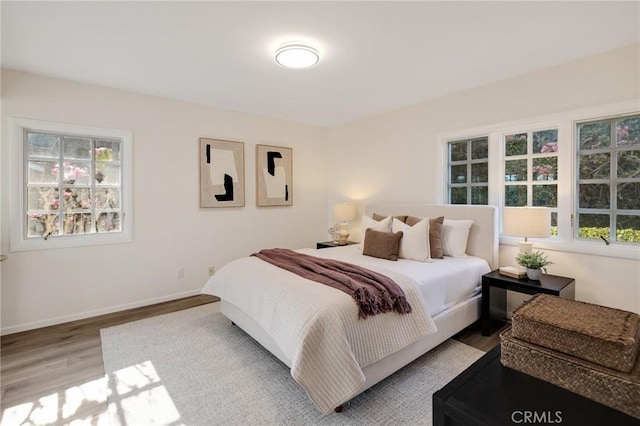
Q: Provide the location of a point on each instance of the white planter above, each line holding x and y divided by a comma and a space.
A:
534, 274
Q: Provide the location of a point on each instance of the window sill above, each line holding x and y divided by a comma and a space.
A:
595, 248
69, 242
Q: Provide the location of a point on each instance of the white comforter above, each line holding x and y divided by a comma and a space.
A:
317, 327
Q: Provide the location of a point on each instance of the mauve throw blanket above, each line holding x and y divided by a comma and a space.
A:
373, 292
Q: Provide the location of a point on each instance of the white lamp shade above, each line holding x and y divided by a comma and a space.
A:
344, 212
530, 222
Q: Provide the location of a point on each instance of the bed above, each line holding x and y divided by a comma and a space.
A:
339, 357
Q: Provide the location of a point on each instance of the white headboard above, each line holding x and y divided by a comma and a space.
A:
484, 234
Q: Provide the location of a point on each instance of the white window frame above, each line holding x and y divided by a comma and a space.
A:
469, 164
612, 181
17, 217
530, 156
566, 123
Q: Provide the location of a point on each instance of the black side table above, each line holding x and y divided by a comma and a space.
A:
489, 394
549, 284
327, 244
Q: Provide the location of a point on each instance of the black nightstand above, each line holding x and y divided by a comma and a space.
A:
549, 284
327, 244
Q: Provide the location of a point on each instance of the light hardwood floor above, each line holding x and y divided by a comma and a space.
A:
52, 376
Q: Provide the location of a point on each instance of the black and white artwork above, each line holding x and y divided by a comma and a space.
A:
221, 173
274, 176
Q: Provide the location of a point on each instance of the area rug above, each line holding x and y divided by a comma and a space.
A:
193, 367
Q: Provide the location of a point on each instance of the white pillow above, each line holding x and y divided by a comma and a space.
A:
367, 222
454, 237
414, 244
383, 226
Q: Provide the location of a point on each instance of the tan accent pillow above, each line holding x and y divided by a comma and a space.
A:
384, 245
379, 217
435, 234
412, 220
436, 227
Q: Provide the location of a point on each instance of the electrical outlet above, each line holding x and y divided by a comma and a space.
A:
180, 273
212, 270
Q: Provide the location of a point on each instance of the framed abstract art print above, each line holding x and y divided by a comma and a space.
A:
274, 176
221, 173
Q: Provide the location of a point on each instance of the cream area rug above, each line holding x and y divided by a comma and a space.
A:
193, 367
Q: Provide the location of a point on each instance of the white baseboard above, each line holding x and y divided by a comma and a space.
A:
59, 320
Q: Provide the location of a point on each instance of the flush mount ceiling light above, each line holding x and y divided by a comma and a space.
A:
296, 55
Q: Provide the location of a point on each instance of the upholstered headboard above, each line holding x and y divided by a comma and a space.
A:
484, 234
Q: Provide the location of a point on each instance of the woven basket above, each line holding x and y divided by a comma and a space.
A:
613, 388
605, 336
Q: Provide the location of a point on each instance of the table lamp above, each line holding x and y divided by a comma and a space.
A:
344, 212
527, 222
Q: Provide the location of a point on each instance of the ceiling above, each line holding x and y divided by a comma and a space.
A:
376, 56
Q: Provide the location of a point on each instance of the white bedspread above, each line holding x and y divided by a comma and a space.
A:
318, 327
442, 282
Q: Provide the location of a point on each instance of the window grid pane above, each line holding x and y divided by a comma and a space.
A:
480, 172
545, 195
516, 144
43, 145
459, 195
595, 226
545, 168
628, 228
515, 170
515, 195
545, 141
480, 195
628, 131
594, 166
480, 149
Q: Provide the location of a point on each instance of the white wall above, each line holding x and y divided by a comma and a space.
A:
390, 157
394, 156
170, 230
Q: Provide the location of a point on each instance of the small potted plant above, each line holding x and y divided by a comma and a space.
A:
535, 262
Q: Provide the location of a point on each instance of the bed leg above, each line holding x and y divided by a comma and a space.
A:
338, 409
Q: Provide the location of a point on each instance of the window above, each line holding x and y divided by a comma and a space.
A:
584, 165
531, 171
74, 185
608, 179
468, 181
